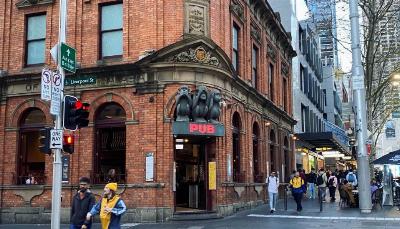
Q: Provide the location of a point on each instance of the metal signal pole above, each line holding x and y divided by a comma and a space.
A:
57, 166
363, 169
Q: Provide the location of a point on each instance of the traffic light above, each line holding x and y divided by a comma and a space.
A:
83, 120
44, 140
68, 143
76, 113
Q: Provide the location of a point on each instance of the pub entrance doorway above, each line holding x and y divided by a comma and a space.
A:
192, 155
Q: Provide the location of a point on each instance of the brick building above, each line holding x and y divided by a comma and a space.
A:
134, 58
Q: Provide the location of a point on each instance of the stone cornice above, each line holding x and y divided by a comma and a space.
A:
268, 19
29, 3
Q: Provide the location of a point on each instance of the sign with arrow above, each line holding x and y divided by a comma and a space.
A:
56, 138
68, 58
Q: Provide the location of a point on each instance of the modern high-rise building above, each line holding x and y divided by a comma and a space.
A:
386, 67
315, 131
324, 16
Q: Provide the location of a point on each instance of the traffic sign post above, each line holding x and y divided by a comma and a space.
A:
57, 165
68, 58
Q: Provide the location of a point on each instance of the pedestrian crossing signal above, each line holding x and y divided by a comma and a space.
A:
44, 140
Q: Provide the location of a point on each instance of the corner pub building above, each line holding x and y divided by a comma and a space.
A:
190, 104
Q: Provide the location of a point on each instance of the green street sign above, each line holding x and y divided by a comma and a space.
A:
68, 58
80, 80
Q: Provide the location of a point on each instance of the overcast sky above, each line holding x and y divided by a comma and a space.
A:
344, 37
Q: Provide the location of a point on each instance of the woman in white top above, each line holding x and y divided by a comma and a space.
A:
273, 184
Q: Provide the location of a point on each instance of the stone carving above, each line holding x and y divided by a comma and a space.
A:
213, 106
237, 9
202, 106
284, 69
255, 32
199, 107
196, 19
184, 103
28, 3
198, 55
271, 52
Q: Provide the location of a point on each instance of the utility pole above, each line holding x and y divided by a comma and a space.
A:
359, 103
57, 166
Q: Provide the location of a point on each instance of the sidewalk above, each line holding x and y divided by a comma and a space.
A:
311, 207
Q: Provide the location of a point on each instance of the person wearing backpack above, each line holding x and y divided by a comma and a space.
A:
273, 184
332, 184
312, 179
298, 188
321, 183
351, 178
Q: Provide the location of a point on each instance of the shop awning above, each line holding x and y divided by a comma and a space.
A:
324, 140
392, 158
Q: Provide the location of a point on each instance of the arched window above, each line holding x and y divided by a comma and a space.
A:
110, 154
236, 126
272, 150
286, 157
256, 160
30, 161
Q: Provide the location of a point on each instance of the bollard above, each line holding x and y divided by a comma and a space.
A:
285, 197
320, 199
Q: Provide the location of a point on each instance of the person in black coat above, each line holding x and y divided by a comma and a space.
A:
82, 202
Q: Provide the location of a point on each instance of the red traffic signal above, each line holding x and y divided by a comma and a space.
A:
76, 113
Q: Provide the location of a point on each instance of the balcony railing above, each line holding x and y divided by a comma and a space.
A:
102, 178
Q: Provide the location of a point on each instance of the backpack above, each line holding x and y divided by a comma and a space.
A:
331, 181
351, 178
320, 180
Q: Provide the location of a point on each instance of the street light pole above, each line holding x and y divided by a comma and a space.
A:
57, 166
364, 190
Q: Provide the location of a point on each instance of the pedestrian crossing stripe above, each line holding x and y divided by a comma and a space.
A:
130, 224
326, 217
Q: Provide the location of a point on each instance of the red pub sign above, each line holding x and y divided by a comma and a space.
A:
194, 128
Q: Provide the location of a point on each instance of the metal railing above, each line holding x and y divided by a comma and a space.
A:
102, 178
31, 180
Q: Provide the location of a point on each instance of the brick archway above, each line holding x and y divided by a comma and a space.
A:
112, 97
27, 104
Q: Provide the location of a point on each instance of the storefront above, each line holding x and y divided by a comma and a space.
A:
195, 130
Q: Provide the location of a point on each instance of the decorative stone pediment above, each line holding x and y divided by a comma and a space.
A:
255, 32
196, 55
284, 69
29, 3
271, 52
237, 9
193, 51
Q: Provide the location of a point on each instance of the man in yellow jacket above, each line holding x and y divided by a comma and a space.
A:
110, 207
297, 185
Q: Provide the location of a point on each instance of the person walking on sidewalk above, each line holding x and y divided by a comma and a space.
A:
273, 184
321, 183
110, 207
312, 179
82, 202
298, 188
332, 184
352, 178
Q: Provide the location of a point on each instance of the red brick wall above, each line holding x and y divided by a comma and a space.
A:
151, 24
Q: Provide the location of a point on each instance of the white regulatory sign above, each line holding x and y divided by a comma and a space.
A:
46, 84
56, 138
56, 89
